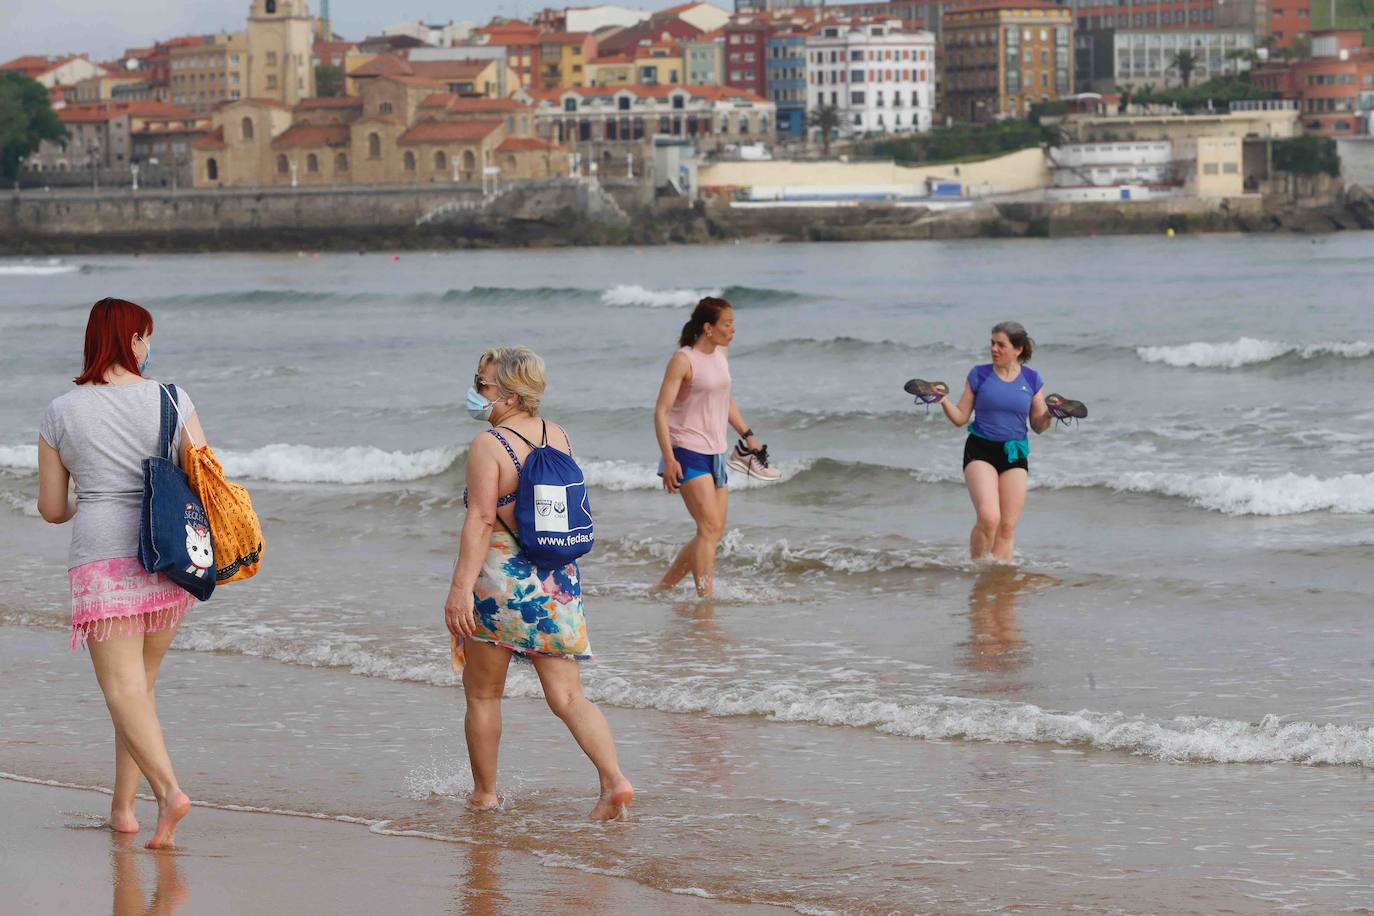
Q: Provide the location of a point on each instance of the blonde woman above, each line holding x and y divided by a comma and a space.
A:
499, 605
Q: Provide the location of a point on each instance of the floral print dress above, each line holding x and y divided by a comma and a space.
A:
529, 611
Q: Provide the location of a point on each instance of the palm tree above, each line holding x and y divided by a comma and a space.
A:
826, 119
1185, 62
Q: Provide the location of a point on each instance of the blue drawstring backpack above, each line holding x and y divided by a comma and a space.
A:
552, 515
174, 534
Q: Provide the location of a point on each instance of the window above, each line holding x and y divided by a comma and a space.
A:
374, 146
623, 103
440, 161
282, 165
1209, 168
678, 101
341, 162
384, 108
312, 163
271, 58
1231, 168
212, 170
247, 128
409, 161
271, 83
856, 76
570, 104
856, 98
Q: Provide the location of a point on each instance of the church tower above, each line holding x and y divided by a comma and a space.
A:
280, 51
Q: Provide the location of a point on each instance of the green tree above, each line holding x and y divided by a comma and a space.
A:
1300, 47
1184, 63
329, 81
826, 119
26, 120
1307, 155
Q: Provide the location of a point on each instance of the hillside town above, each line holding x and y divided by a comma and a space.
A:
771, 103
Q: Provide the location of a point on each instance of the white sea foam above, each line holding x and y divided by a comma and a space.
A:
635, 295
1181, 739
1248, 351
19, 457
338, 464
1287, 494
48, 268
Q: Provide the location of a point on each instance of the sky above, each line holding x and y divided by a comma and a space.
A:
104, 28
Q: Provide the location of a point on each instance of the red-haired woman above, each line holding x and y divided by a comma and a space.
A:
96, 437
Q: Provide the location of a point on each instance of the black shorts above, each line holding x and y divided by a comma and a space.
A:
978, 449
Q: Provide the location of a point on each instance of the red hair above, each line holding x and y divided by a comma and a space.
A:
109, 338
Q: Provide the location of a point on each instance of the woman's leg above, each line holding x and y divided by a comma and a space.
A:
120, 670
484, 681
127, 774
1011, 490
981, 479
561, 679
707, 505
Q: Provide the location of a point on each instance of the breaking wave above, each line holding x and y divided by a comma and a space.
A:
50, 268
348, 464
1178, 739
1249, 351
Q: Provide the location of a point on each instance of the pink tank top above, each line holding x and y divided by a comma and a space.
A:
699, 417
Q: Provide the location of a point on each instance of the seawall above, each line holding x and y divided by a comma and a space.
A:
572, 212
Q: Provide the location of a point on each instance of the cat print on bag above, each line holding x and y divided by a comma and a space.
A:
198, 542
198, 549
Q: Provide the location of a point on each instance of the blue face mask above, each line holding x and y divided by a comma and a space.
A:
479, 408
147, 355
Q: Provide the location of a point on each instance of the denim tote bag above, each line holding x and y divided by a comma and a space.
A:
174, 535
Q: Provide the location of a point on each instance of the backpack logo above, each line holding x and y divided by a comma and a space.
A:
550, 507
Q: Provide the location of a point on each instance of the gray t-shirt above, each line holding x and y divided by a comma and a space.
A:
103, 433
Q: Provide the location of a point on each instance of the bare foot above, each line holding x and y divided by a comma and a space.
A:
483, 801
659, 588
614, 802
168, 815
122, 820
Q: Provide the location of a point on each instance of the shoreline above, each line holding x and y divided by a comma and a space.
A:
57, 857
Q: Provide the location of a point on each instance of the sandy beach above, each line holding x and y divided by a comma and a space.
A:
56, 858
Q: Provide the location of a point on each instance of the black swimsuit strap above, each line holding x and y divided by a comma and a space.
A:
528, 442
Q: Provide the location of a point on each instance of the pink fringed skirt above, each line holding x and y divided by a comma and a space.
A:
116, 597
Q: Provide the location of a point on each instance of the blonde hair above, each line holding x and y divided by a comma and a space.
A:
518, 371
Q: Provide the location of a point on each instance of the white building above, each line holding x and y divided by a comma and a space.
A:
880, 78
596, 18
1108, 164
444, 35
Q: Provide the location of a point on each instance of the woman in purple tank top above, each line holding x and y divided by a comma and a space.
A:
1002, 398
690, 418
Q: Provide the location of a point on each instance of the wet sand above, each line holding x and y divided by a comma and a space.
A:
56, 858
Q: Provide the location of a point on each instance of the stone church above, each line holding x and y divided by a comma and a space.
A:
411, 122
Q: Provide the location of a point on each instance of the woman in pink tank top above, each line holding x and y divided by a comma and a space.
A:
694, 407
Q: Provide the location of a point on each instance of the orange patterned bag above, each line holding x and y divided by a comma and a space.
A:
235, 532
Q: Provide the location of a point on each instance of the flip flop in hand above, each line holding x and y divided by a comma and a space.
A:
926, 392
1065, 409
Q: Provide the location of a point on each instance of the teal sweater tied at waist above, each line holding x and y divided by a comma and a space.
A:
1016, 449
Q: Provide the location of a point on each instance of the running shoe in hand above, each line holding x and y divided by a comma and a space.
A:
1065, 409
752, 463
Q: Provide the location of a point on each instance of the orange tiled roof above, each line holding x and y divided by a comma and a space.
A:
991, 5
322, 102
448, 131
564, 38
213, 140
519, 144
713, 93
451, 101
313, 135
30, 64
396, 66
90, 113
